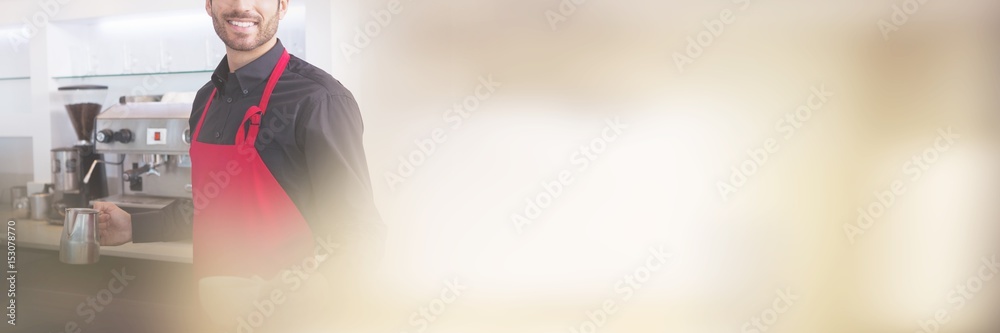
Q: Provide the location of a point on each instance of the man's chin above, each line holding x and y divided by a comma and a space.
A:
243, 46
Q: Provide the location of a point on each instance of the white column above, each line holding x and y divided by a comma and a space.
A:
41, 115
328, 23
318, 24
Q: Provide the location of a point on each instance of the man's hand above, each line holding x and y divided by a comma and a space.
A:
114, 224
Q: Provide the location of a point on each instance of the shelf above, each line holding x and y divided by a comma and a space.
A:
133, 74
18, 78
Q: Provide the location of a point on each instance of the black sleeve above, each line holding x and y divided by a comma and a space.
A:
172, 223
344, 208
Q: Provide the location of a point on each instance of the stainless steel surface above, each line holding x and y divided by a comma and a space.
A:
140, 99
149, 166
66, 169
19, 202
130, 175
21, 208
79, 243
18, 192
136, 201
155, 166
167, 178
145, 120
40, 205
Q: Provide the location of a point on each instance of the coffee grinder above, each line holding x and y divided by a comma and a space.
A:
70, 164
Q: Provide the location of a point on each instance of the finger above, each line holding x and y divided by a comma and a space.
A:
104, 207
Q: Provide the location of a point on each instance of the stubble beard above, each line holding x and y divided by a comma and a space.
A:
266, 31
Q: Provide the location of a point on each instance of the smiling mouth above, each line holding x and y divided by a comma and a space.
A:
242, 24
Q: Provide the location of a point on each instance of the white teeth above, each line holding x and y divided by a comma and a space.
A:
242, 24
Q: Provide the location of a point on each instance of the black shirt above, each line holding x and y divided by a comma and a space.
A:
310, 139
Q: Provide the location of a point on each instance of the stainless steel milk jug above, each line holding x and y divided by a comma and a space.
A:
80, 243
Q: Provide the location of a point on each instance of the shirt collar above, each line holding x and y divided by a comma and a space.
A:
253, 74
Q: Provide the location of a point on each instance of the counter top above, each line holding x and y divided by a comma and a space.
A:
44, 236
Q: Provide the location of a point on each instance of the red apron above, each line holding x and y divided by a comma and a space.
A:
244, 222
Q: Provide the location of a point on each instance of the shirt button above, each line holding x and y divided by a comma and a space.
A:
246, 92
217, 135
229, 99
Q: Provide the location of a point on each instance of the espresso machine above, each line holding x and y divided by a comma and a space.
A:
151, 141
83, 104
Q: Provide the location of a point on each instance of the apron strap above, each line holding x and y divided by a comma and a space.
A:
252, 115
197, 128
256, 113
273, 81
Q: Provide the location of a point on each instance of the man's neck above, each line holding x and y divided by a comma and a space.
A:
238, 59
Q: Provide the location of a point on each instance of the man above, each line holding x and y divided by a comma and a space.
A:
277, 162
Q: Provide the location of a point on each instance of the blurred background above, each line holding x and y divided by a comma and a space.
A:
837, 103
